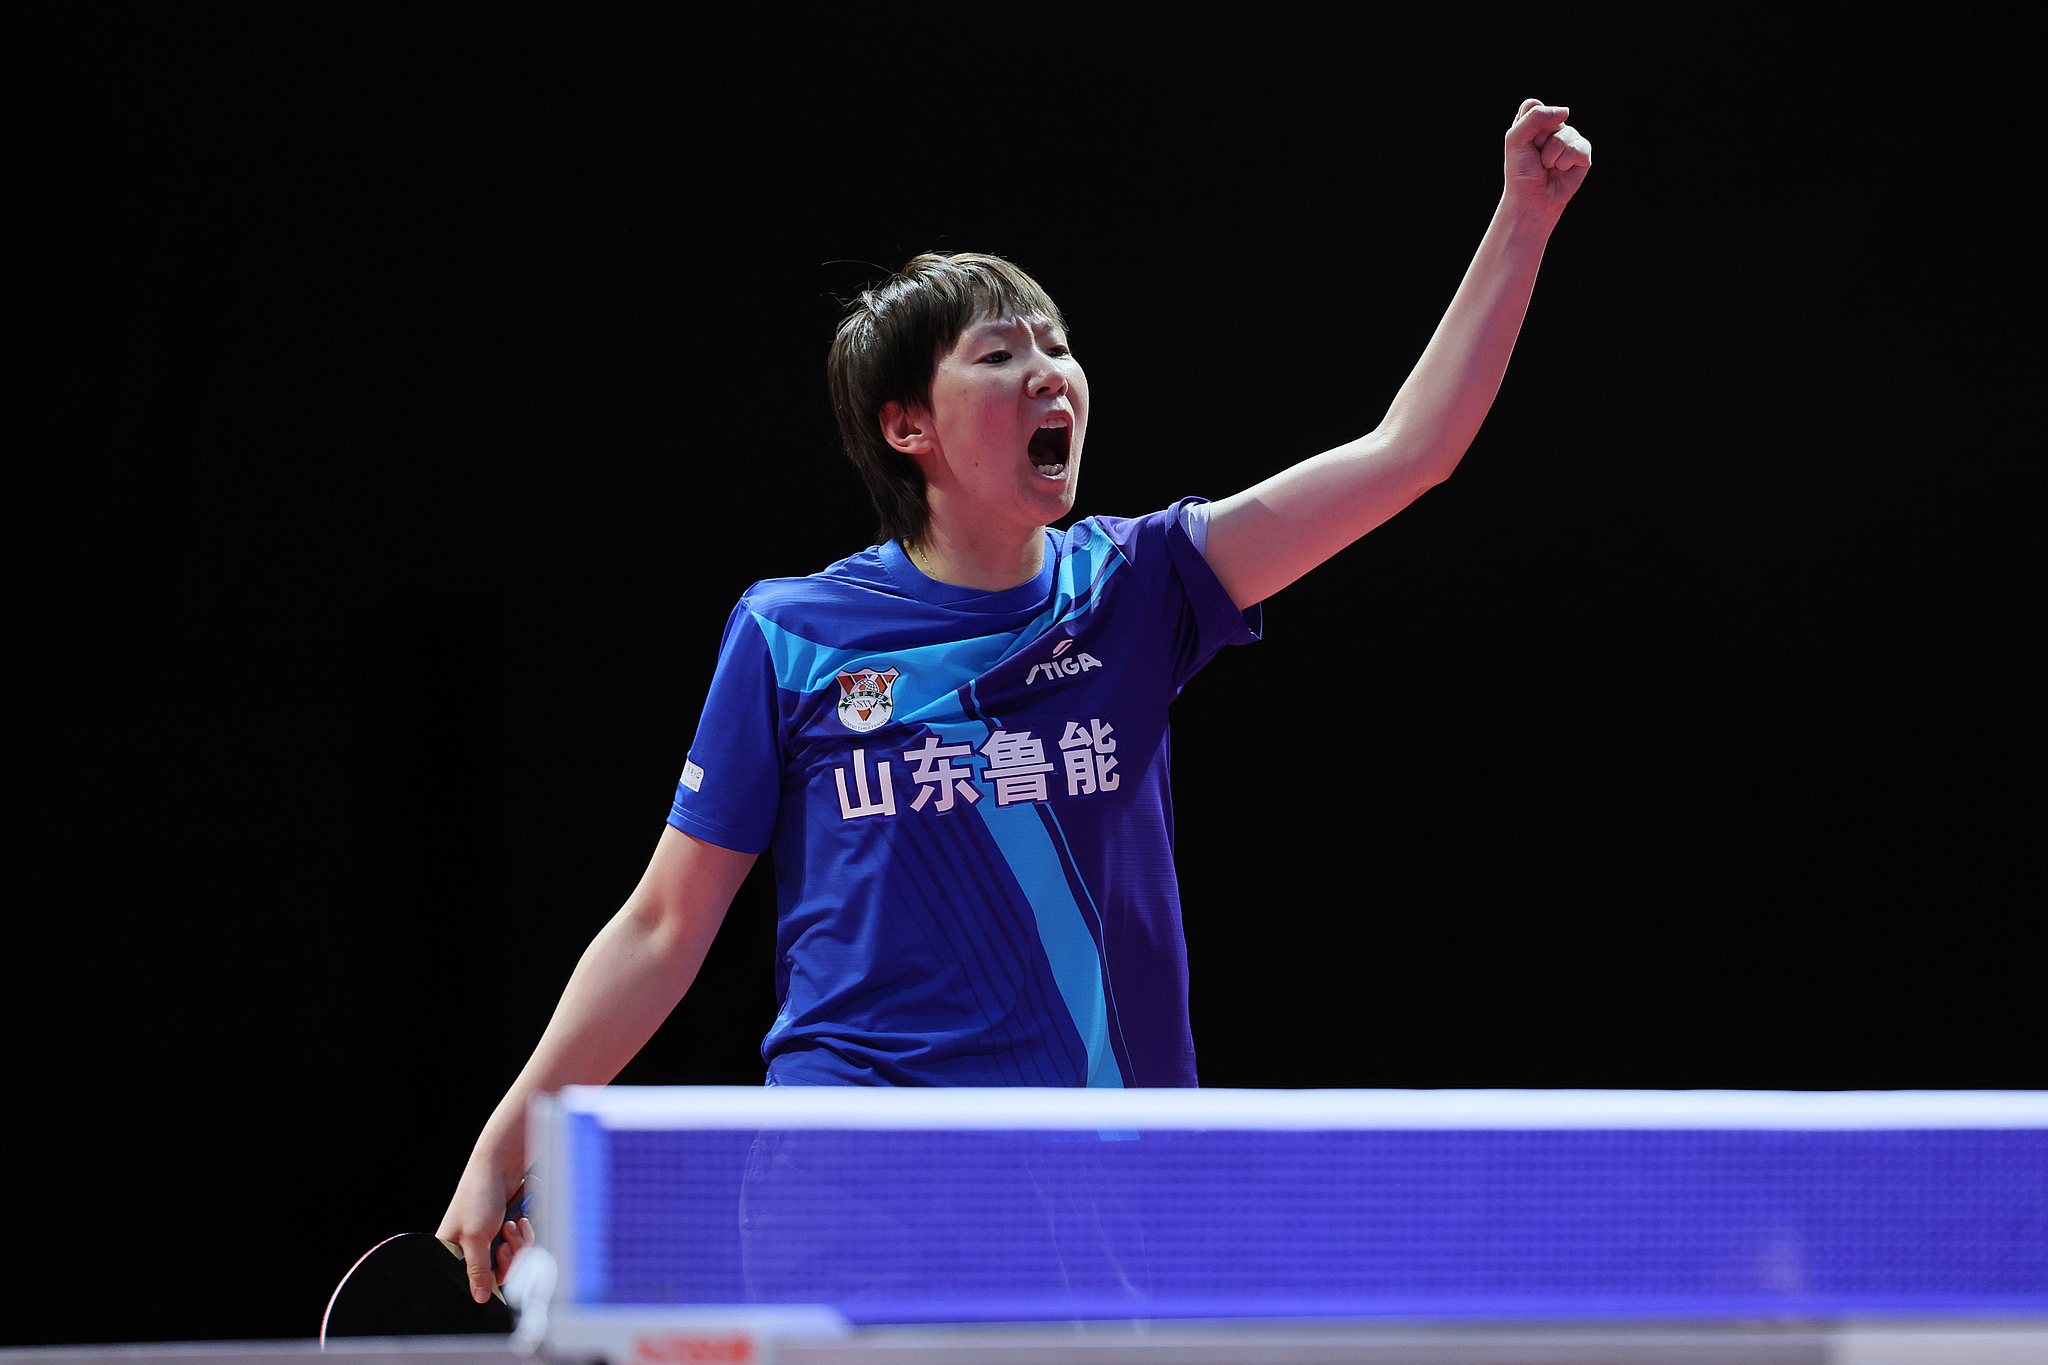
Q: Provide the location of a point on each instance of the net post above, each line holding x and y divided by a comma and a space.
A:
549, 1173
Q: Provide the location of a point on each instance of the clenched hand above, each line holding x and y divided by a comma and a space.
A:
1547, 159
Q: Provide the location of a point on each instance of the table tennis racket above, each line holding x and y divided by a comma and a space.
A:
411, 1285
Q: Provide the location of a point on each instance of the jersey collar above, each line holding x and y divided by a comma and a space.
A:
914, 582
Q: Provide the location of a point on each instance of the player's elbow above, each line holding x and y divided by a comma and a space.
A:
1436, 477
1438, 463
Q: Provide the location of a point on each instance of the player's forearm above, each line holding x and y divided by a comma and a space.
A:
1269, 535
626, 983
1323, 504
615, 1000
1438, 411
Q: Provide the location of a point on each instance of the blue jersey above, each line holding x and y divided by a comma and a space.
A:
967, 797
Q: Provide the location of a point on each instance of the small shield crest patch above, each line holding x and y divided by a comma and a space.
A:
865, 702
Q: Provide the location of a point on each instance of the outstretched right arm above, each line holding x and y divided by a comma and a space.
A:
630, 977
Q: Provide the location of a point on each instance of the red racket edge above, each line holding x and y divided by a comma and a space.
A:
344, 1284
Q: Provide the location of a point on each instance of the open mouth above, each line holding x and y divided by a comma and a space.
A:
1048, 450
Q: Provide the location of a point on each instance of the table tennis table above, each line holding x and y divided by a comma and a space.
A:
843, 1224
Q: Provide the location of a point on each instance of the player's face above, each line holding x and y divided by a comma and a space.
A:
1010, 410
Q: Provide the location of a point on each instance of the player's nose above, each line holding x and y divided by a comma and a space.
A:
1047, 381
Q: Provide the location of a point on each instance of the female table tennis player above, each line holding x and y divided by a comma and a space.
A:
955, 741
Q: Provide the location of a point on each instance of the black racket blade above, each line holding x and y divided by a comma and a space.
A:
411, 1285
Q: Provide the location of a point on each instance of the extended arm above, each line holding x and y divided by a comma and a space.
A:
628, 980
1274, 532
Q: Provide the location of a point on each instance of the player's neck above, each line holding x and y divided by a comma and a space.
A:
987, 558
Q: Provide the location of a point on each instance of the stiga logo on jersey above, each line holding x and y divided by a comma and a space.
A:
864, 700
1055, 668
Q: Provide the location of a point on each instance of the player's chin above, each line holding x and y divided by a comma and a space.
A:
1052, 496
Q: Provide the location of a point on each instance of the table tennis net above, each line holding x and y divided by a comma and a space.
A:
929, 1223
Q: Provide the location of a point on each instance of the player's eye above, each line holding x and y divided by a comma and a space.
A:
1060, 351
995, 357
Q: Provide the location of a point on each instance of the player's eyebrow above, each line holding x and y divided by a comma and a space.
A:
995, 326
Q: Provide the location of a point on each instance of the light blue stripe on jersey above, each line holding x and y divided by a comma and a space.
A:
1069, 947
1102, 954
1028, 849
1082, 574
933, 673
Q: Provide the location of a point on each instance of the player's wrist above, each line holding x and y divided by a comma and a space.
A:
500, 1152
1528, 217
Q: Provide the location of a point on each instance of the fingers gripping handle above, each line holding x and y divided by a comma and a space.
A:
491, 1193
477, 1257
486, 1260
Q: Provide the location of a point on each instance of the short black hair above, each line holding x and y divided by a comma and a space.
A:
888, 349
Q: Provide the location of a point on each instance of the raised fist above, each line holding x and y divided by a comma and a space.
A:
1546, 157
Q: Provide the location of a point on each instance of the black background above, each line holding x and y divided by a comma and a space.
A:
414, 403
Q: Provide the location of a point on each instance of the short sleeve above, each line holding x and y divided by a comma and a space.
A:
1211, 620
732, 782
1171, 576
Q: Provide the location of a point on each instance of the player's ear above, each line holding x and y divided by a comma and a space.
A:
907, 429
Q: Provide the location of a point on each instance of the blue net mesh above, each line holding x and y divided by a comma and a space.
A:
907, 1226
